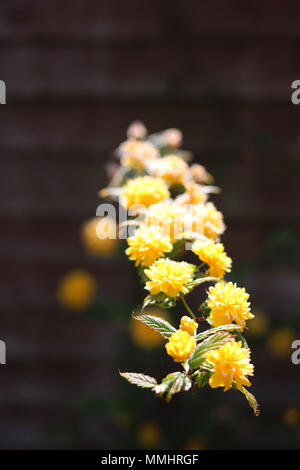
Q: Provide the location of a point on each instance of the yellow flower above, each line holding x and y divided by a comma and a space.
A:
188, 324
228, 303
168, 216
180, 345
77, 290
144, 336
193, 194
291, 416
231, 362
147, 245
214, 256
172, 169
213, 221
259, 324
136, 130
99, 236
172, 138
149, 435
280, 340
144, 190
135, 154
200, 174
169, 276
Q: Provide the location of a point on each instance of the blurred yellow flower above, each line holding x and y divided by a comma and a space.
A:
193, 194
259, 324
231, 363
147, 245
168, 216
77, 290
200, 174
228, 303
99, 236
188, 324
214, 256
149, 435
144, 336
169, 277
172, 169
144, 190
213, 221
173, 138
194, 443
136, 130
135, 154
180, 345
291, 416
279, 341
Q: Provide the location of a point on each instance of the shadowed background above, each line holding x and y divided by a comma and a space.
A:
77, 73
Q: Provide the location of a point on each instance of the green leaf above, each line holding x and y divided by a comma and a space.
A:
161, 300
173, 383
240, 337
213, 342
251, 400
141, 380
204, 309
200, 280
202, 379
211, 331
158, 324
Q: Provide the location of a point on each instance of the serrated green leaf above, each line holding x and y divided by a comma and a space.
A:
141, 380
161, 300
158, 324
213, 342
173, 383
211, 331
202, 379
251, 400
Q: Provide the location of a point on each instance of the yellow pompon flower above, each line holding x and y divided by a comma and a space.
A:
77, 290
214, 256
172, 169
193, 194
144, 190
168, 216
180, 345
231, 363
188, 324
99, 236
135, 154
228, 303
213, 221
169, 277
147, 245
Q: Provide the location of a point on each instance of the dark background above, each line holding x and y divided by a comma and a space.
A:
77, 73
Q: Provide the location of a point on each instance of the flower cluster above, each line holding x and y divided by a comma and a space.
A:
172, 212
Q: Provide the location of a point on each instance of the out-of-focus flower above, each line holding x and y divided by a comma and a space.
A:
171, 168
144, 190
259, 324
214, 256
168, 216
180, 345
144, 336
213, 221
99, 236
135, 154
147, 245
136, 130
173, 138
279, 341
149, 435
200, 174
228, 303
194, 194
77, 290
231, 362
194, 443
169, 277
188, 324
291, 416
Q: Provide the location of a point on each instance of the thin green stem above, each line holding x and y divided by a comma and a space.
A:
188, 309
